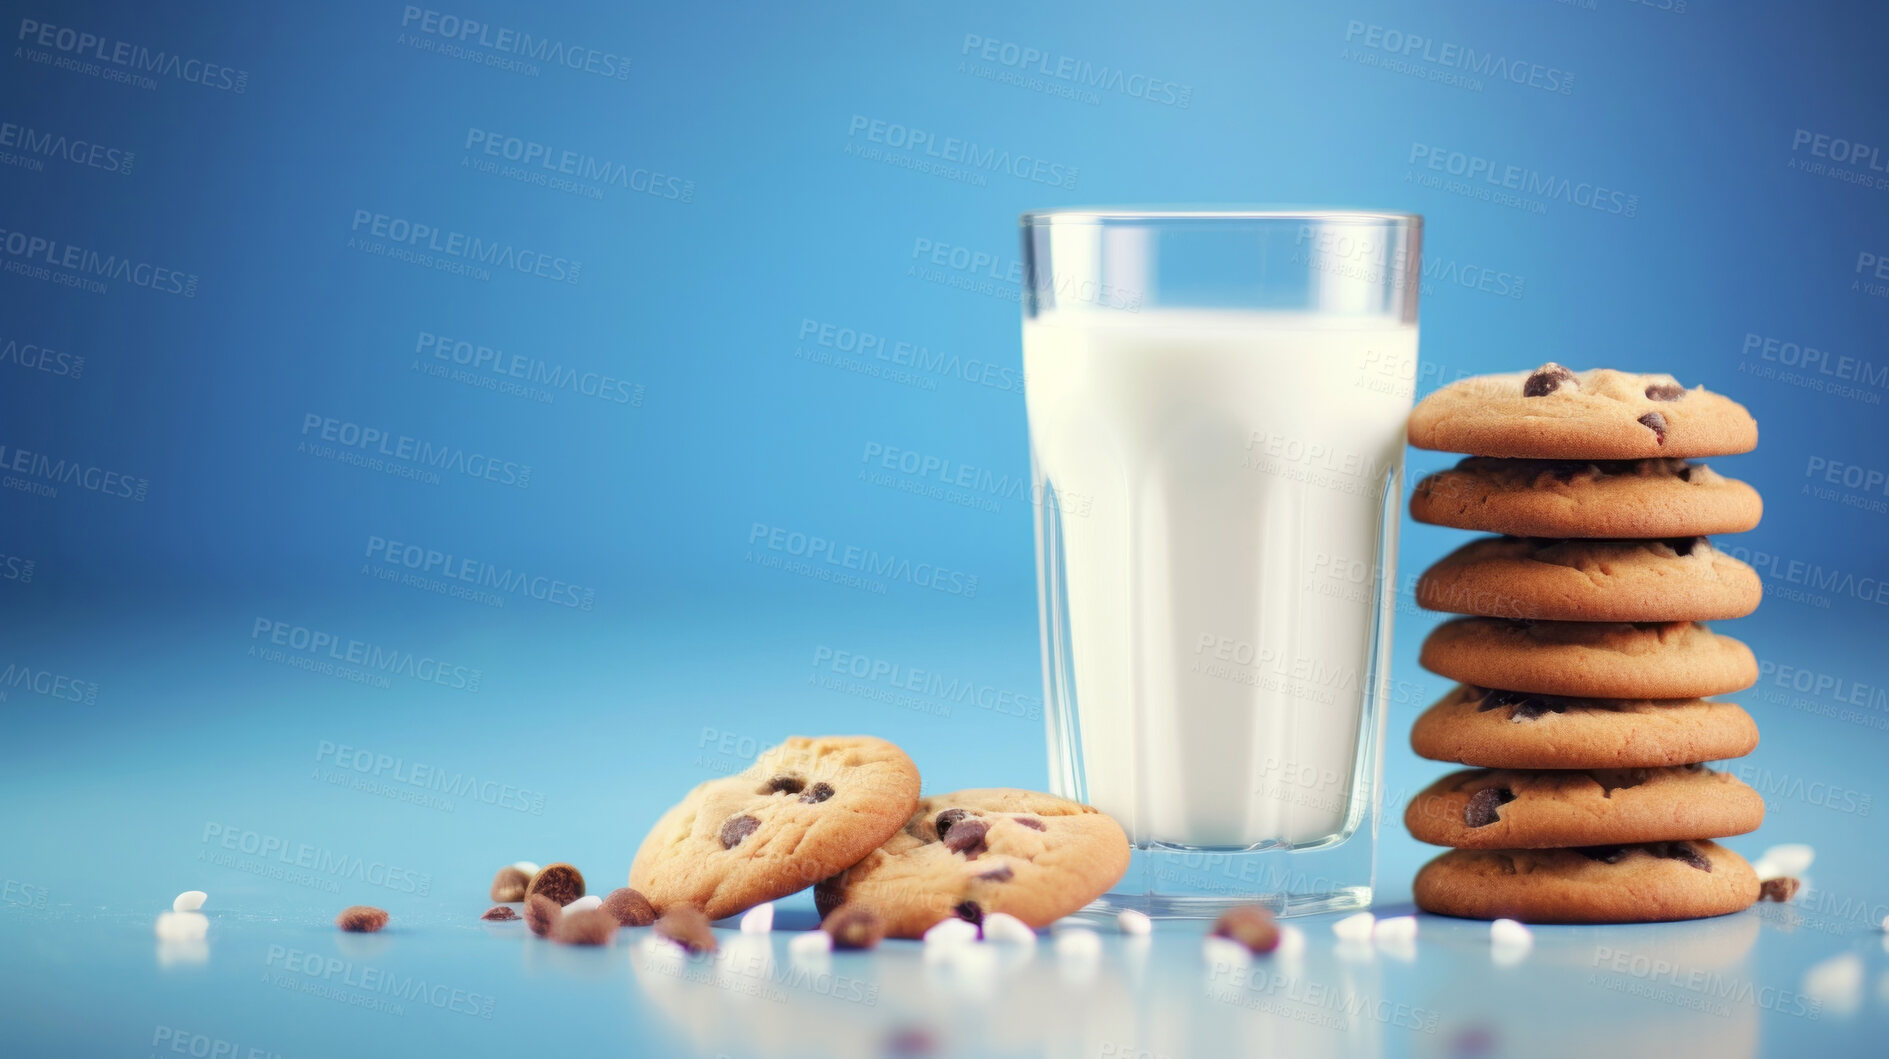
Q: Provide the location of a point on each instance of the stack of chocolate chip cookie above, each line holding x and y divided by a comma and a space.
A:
1583, 663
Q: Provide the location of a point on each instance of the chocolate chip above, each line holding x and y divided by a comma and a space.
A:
1780, 889
361, 919
560, 882
946, 819
592, 926
1481, 810
1030, 822
817, 793
1684, 545
1529, 709
1546, 380
1612, 780
853, 928
1684, 474
1665, 391
1681, 851
688, 927
737, 828
499, 913
1656, 423
1250, 925
1526, 707
542, 913
970, 911
1001, 873
630, 907
1604, 854
783, 785
509, 884
967, 837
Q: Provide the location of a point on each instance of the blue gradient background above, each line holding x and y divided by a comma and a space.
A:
609, 711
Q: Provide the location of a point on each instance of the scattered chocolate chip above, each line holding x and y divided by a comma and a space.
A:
560, 882
1030, 822
1665, 391
967, 837
737, 828
945, 821
1481, 810
817, 793
1684, 545
592, 926
499, 913
630, 908
1604, 854
688, 927
509, 884
1546, 380
1656, 423
970, 911
853, 928
1001, 873
783, 785
1682, 851
542, 913
1780, 889
361, 919
1251, 926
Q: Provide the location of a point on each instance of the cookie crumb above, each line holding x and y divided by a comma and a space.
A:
1780, 889
591, 926
688, 927
631, 908
499, 913
560, 882
542, 913
509, 884
1249, 925
361, 919
853, 928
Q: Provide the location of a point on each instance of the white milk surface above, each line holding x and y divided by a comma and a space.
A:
1219, 479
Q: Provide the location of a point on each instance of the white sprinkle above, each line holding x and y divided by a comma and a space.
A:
189, 901
1885, 923
1002, 927
1395, 929
810, 943
1510, 933
1133, 922
1291, 943
1766, 869
584, 904
951, 930
526, 866
1074, 943
1792, 858
1355, 927
759, 919
1838, 982
1224, 951
182, 926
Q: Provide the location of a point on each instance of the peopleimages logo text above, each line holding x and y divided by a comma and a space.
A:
55, 254
414, 451
131, 56
515, 42
1525, 181
316, 643
505, 579
426, 237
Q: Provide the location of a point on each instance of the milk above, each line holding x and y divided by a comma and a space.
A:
1214, 497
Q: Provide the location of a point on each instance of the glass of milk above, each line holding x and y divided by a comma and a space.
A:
1217, 403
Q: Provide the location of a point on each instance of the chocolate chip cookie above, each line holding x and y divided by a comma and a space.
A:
1557, 414
1513, 809
1609, 884
1520, 730
1681, 579
1586, 498
1603, 660
803, 811
973, 852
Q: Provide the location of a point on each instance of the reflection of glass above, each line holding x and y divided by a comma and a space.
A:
1217, 405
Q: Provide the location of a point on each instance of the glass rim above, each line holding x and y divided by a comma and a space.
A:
1132, 214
